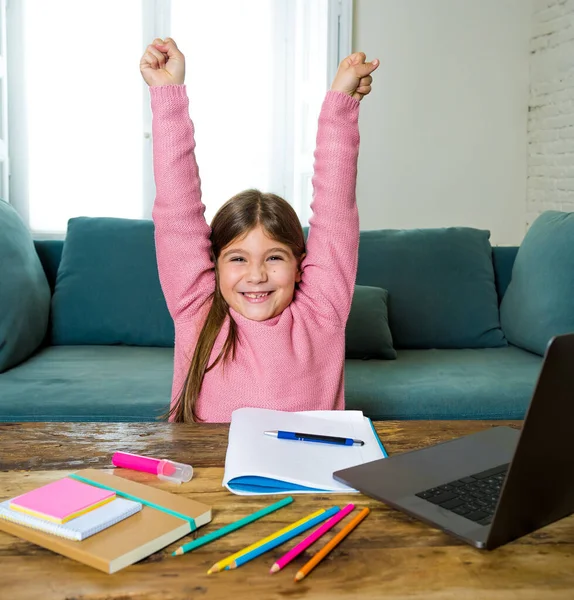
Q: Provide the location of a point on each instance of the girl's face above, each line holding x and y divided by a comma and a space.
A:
257, 275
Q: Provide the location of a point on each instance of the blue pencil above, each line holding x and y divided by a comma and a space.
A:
240, 560
232, 527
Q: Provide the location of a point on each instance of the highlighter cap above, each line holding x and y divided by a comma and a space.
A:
174, 472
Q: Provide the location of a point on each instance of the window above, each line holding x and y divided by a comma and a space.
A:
79, 114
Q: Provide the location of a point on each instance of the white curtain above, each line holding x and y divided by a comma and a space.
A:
256, 73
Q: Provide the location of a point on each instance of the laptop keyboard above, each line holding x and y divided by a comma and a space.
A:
472, 497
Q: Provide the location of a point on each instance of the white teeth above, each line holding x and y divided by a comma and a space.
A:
255, 295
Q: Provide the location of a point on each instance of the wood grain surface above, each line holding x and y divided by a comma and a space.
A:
389, 555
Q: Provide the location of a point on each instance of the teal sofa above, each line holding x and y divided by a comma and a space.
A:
108, 350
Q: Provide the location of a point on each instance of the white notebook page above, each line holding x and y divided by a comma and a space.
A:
251, 453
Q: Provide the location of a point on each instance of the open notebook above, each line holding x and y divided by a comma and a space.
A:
259, 464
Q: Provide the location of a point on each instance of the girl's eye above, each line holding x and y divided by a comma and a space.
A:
276, 258
237, 259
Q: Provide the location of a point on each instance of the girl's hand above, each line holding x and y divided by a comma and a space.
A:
162, 63
354, 76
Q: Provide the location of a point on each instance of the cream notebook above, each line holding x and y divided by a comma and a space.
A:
259, 464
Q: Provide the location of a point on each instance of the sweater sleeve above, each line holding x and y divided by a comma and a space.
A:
330, 267
181, 232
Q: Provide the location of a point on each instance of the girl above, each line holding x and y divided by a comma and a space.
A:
259, 319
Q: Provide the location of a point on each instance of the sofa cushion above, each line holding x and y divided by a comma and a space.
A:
107, 287
24, 291
89, 383
441, 285
482, 383
367, 334
121, 383
539, 301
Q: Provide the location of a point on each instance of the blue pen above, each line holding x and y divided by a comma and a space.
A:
314, 437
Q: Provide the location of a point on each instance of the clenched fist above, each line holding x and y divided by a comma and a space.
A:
163, 63
354, 75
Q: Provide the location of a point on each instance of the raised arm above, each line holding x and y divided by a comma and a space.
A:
181, 233
330, 266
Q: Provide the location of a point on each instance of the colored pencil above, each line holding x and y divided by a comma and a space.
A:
241, 560
221, 564
214, 535
311, 538
317, 558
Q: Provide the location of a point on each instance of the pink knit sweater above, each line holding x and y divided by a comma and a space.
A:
295, 360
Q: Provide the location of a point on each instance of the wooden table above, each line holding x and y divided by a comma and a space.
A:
388, 556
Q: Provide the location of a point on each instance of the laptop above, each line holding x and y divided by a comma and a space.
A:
491, 487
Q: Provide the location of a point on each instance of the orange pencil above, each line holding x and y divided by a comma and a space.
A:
317, 558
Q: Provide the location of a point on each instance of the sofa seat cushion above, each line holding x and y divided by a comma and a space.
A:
88, 383
485, 383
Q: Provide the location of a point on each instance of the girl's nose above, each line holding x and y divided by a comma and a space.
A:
257, 273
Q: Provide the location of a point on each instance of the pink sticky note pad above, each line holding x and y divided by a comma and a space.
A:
61, 500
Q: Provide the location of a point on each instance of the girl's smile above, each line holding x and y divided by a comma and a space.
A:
257, 298
257, 275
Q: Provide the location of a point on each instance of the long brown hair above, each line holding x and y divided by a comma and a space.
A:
235, 219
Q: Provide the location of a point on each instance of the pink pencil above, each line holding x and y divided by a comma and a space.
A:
313, 537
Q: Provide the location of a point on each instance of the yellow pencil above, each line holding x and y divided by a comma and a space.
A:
317, 558
225, 562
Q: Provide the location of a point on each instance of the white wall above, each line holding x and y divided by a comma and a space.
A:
443, 133
551, 116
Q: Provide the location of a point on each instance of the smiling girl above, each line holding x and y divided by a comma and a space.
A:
259, 318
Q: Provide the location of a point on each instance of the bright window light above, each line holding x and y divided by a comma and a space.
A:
230, 79
84, 110
256, 74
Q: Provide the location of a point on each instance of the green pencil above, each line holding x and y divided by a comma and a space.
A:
232, 527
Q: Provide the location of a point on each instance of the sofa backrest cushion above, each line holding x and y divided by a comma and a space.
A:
367, 334
107, 291
107, 286
441, 285
539, 301
50, 253
24, 291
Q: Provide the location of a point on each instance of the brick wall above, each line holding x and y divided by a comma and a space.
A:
551, 109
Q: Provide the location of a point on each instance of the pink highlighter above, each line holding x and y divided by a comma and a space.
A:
167, 470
